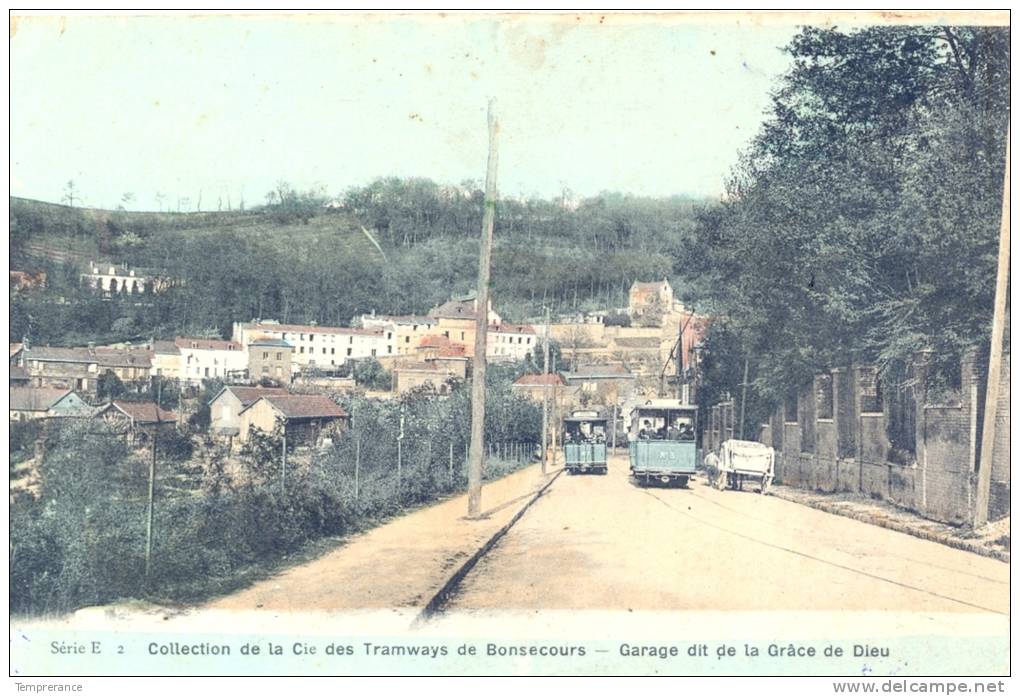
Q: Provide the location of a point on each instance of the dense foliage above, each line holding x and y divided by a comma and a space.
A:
395, 246
216, 526
862, 223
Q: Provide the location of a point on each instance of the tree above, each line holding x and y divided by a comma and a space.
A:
109, 386
70, 193
369, 372
860, 223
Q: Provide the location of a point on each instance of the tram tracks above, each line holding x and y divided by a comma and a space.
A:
815, 558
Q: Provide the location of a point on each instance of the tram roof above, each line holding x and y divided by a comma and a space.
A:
663, 405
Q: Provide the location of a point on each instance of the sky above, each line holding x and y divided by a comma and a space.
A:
217, 105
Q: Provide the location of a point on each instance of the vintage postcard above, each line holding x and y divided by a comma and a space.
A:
510, 343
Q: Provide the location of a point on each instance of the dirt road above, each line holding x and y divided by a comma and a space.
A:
602, 542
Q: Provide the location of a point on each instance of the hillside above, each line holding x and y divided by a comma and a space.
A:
300, 261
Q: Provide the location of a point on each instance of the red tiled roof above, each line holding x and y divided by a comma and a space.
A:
306, 406
452, 351
144, 411
539, 380
205, 343
434, 341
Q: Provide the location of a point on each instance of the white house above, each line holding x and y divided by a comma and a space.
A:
322, 347
210, 358
508, 342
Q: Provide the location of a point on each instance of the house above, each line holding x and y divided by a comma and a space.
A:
408, 330
137, 419
81, 368
131, 365
166, 359
305, 419
649, 301
319, 347
456, 320
210, 358
270, 358
602, 383
510, 342
30, 403
438, 369
225, 408
113, 279
535, 387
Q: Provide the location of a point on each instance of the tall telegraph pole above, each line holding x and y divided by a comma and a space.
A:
545, 392
477, 450
984, 482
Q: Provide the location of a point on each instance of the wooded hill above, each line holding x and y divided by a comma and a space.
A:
394, 246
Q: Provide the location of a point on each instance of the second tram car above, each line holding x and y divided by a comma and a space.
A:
584, 442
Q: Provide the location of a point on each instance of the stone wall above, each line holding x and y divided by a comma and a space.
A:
834, 438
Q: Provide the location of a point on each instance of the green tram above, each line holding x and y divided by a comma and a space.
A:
584, 443
663, 441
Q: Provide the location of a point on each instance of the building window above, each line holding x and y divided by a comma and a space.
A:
207, 372
348, 351
279, 356
302, 349
302, 337
324, 350
332, 351
389, 349
265, 355
373, 352
462, 335
351, 340
407, 339
389, 336
265, 369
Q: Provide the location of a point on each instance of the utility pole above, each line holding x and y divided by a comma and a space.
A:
743, 397
984, 482
151, 501
151, 496
400, 452
614, 428
555, 420
283, 468
357, 463
545, 392
477, 451
679, 362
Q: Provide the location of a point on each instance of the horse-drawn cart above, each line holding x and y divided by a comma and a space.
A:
743, 460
